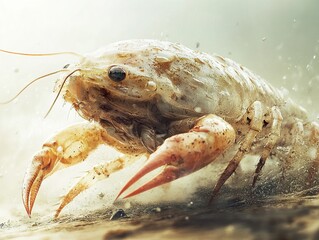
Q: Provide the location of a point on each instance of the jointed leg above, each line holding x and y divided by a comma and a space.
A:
275, 122
94, 175
255, 118
297, 132
314, 141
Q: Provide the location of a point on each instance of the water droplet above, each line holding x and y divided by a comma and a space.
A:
264, 39
295, 88
229, 229
127, 205
151, 85
187, 218
294, 20
59, 149
198, 109
314, 56
284, 77
190, 204
308, 67
158, 209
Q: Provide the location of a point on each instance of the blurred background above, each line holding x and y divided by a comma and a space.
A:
278, 40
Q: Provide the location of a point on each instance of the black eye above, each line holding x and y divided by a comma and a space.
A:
117, 74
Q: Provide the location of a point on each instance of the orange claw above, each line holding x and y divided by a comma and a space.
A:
186, 153
68, 147
41, 165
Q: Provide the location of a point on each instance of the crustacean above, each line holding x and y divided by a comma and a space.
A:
182, 109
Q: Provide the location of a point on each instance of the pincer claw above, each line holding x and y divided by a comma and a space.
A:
40, 166
185, 153
169, 173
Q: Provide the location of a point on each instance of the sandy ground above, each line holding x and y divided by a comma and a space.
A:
289, 216
277, 40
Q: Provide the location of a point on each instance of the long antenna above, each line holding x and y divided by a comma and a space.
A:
58, 94
41, 54
33, 81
